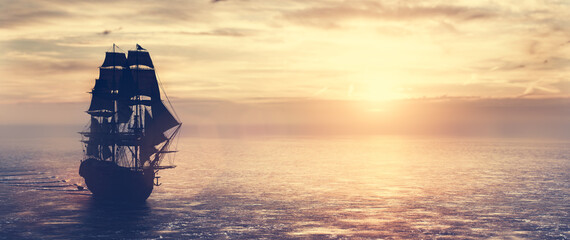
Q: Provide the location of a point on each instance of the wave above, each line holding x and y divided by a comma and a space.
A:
39, 180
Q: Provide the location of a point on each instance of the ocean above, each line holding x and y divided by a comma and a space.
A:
342, 187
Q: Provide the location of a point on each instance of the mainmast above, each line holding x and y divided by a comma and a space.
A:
114, 119
138, 119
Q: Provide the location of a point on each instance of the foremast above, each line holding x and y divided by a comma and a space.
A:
130, 125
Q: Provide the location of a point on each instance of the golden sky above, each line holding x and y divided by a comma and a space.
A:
363, 50
265, 50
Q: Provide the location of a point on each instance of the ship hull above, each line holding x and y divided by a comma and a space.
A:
108, 181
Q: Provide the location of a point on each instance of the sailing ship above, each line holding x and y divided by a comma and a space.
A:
131, 129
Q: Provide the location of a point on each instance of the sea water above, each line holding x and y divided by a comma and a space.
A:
348, 187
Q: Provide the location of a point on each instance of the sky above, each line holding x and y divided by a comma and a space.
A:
295, 62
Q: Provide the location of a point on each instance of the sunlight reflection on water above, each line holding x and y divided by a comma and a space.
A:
383, 187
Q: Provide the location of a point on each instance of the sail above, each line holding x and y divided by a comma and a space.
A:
162, 118
126, 86
106, 152
92, 147
92, 150
97, 137
150, 139
102, 91
153, 134
146, 83
139, 58
105, 126
94, 127
101, 85
146, 152
109, 79
114, 59
124, 111
99, 103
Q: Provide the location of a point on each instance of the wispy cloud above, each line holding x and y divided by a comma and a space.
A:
109, 31
224, 32
330, 15
37, 13
20, 13
539, 87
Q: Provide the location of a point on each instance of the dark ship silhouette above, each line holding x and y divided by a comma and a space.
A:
131, 129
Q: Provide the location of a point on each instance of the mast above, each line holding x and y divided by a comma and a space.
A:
138, 114
114, 119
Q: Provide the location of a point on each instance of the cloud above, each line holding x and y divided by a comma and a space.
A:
526, 64
18, 13
332, 15
130, 12
224, 32
258, 46
43, 70
18, 17
109, 31
554, 63
538, 88
161, 13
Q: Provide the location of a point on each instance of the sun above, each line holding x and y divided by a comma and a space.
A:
377, 88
